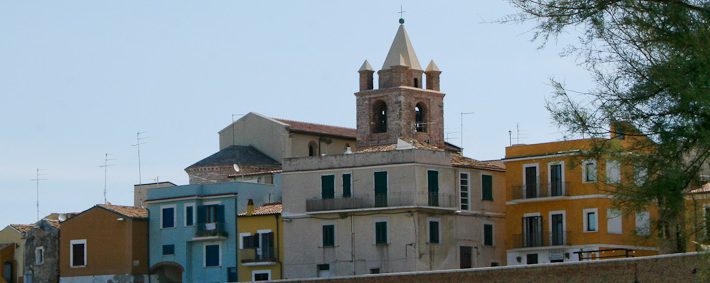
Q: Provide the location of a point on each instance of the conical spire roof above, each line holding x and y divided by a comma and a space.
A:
365, 67
402, 47
432, 67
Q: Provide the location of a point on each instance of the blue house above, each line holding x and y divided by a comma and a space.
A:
193, 229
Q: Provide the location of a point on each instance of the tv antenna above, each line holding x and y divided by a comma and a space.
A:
38, 178
106, 165
139, 142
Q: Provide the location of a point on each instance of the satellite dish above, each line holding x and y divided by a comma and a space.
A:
62, 217
236, 168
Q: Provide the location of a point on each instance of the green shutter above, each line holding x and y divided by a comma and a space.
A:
328, 235
327, 186
433, 187
433, 232
487, 187
487, 234
381, 233
380, 189
346, 186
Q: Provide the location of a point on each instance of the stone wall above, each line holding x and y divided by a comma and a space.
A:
689, 267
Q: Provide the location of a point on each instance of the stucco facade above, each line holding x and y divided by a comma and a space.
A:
12, 240
42, 252
263, 260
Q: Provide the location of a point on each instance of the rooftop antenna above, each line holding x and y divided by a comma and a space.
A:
139, 142
510, 137
463, 113
447, 136
105, 166
37, 179
401, 15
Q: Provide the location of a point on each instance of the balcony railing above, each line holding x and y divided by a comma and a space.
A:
382, 200
540, 239
540, 190
216, 229
252, 255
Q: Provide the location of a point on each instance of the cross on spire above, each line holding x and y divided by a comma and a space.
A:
401, 15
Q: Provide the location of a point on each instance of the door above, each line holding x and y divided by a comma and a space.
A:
532, 231
380, 189
530, 182
466, 255
558, 236
556, 180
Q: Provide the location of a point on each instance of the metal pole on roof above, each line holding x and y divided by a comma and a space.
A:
37, 179
105, 166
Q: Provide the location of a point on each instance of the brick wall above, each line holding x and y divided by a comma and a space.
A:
689, 267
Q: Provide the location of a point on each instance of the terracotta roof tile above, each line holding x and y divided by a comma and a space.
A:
458, 160
22, 228
127, 211
266, 209
701, 190
390, 147
299, 126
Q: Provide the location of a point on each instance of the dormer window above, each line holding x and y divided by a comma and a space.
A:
379, 119
419, 118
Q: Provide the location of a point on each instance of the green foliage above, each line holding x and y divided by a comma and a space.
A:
650, 60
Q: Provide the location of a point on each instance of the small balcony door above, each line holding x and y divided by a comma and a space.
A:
380, 189
531, 182
558, 234
532, 231
556, 188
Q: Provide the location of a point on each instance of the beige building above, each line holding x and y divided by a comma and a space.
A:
12, 250
405, 200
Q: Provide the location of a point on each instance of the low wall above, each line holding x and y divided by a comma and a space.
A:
688, 267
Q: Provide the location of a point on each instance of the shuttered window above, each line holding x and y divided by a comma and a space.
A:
327, 186
487, 187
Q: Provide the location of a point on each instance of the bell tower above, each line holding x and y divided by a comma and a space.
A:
401, 106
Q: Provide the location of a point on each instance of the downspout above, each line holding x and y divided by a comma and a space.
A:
236, 238
148, 249
352, 243
276, 244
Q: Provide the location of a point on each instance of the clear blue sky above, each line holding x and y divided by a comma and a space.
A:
79, 78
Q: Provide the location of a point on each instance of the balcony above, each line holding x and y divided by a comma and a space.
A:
254, 257
381, 200
541, 190
543, 239
216, 229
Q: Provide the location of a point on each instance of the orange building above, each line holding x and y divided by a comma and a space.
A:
105, 242
559, 207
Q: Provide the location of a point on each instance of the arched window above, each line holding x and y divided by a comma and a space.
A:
379, 117
420, 118
416, 82
312, 149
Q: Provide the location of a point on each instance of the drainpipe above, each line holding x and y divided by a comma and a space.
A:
276, 244
148, 245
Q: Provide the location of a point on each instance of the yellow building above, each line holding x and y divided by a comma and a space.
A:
12, 252
260, 242
697, 207
558, 206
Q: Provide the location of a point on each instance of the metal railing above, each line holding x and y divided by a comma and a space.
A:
251, 255
540, 190
382, 200
215, 229
540, 239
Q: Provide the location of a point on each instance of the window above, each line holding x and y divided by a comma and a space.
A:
375, 270
261, 275
556, 179
532, 230
420, 118
613, 174
312, 149
77, 253
323, 270
486, 187
433, 187
347, 185
416, 82
262, 242
707, 222
531, 259
327, 186
487, 234
434, 232
329, 235
589, 171
168, 249
640, 175
381, 189
590, 220
531, 180
209, 214
381, 232
213, 256
189, 214
557, 228
379, 117
167, 217
463, 185
39, 255
495, 263
643, 223
613, 221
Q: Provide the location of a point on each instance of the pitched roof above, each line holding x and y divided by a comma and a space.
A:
432, 67
266, 209
22, 228
298, 126
401, 144
244, 155
127, 211
365, 67
401, 52
702, 189
458, 160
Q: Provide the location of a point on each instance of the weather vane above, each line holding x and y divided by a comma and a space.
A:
401, 15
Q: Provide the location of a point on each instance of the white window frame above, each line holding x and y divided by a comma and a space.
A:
204, 254
71, 252
163, 207
564, 224
255, 272
39, 254
261, 242
241, 239
537, 178
468, 190
612, 169
640, 176
549, 176
643, 231
428, 232
194, 214
335, 232
493, 234
585, 228
374, 230
617, 212
584, 171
